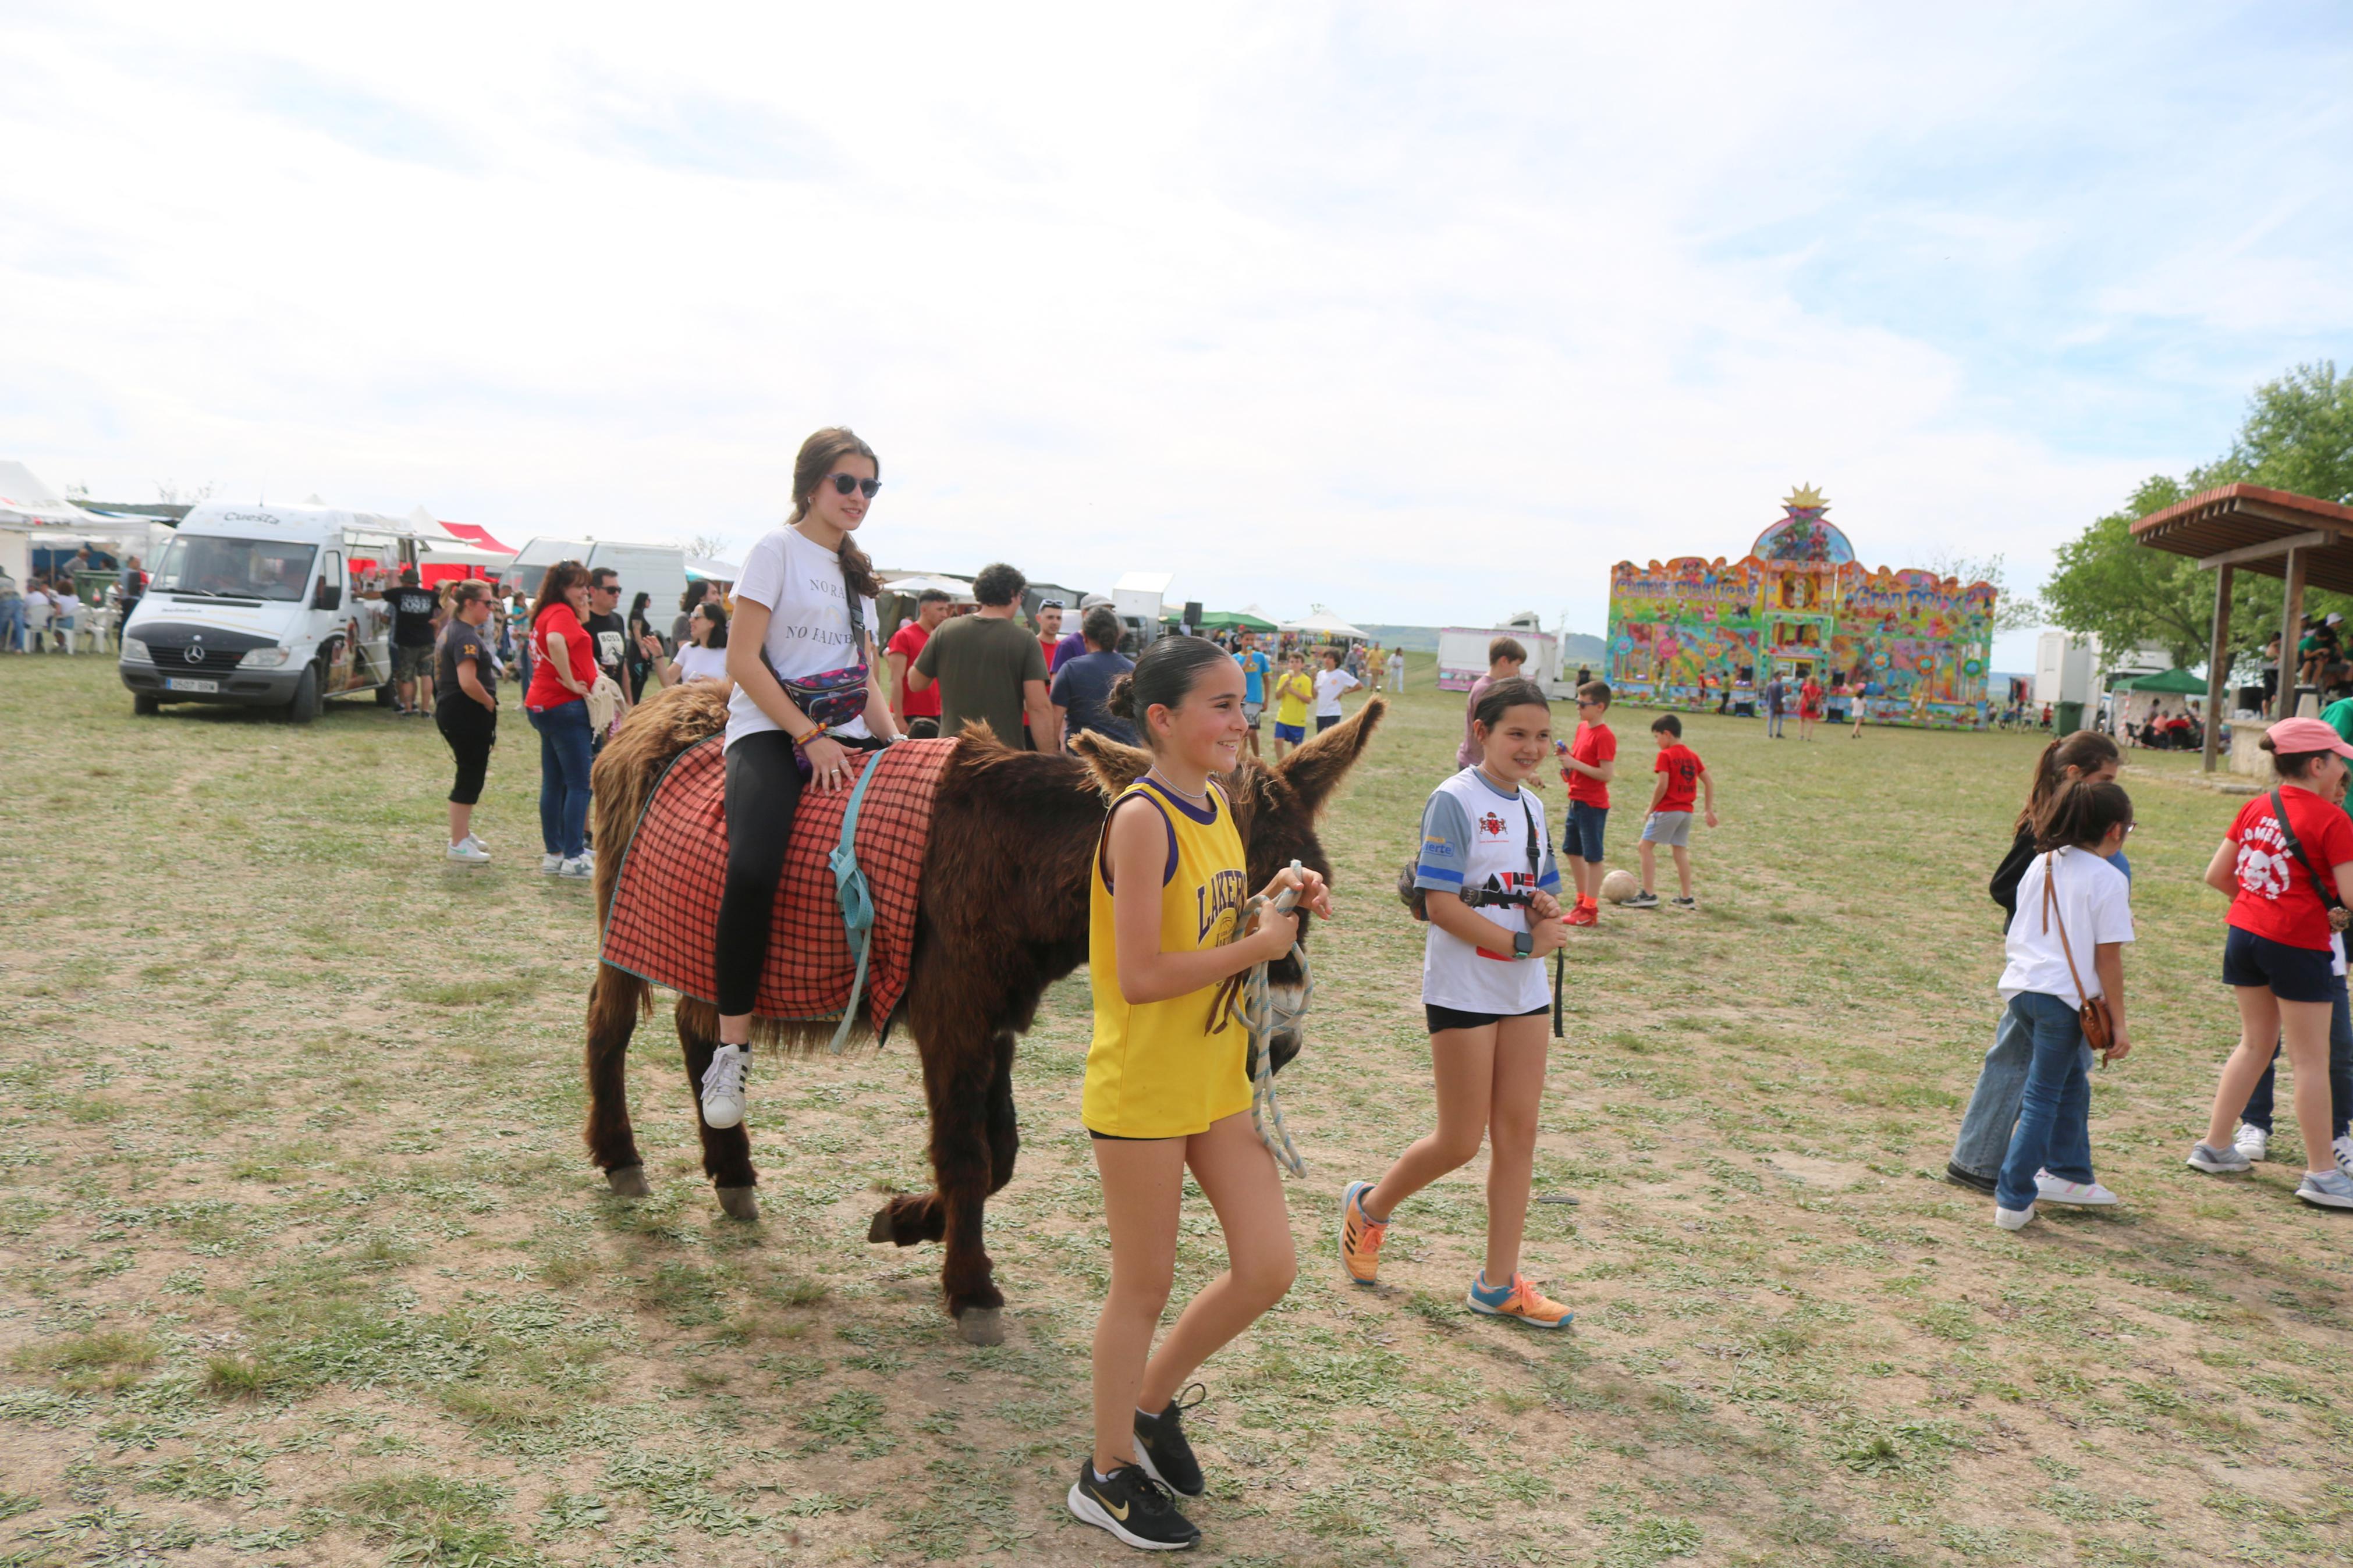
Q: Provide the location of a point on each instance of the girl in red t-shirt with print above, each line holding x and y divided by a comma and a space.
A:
2277, 957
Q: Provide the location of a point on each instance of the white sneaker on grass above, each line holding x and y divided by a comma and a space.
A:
2013, 1219
2343, 1150
468, 852
2253, 1141
2326, 1189
578, 868
477, 841
724, 1094
2050, 1189
549, 865
2218, 1161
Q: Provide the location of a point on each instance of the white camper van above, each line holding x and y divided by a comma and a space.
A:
260, 606
656, 569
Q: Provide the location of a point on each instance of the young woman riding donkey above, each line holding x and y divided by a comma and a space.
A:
1000, 903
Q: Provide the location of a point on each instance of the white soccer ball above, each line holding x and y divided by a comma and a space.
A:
1619, 886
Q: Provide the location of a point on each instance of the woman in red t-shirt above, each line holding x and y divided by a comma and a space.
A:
564, 666
1809, 708
2277, 957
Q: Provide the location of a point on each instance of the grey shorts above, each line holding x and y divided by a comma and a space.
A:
1252, 712
1667, 828
412, 663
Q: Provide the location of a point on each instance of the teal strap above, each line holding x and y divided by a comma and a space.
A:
857, 901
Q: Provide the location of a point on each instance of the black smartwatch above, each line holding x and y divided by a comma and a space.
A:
1524, 944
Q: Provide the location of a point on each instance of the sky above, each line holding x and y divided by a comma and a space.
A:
1424, 314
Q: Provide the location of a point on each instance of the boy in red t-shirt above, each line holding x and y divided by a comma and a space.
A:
1587, 764
1682, 776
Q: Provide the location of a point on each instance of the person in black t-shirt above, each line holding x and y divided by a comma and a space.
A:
608, 635
1082, 683
468, 715
415, 612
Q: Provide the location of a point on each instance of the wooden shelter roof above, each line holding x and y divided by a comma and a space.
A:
2250, 527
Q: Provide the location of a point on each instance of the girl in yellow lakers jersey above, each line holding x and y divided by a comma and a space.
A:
1163, 1092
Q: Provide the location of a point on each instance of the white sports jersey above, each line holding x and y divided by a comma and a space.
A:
1473, 834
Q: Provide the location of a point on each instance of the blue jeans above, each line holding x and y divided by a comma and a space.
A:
2054, 1108
12, 625
1993, 1104
2341, 1072
563, 777
1772, 723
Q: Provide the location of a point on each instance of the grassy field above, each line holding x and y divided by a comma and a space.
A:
304, 1263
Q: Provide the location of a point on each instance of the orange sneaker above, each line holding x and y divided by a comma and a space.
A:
1521, 1300
1360, 1235
1585, 914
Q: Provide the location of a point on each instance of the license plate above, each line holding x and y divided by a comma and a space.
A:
178, 683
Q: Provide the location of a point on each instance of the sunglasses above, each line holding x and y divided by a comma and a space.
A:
1049, 603
845, 483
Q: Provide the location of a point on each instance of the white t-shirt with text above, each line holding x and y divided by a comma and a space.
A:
809, 621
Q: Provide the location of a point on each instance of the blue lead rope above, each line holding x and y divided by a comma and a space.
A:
857, 901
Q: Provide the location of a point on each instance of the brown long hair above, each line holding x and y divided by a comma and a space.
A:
817, 455
552, 587
2086, 750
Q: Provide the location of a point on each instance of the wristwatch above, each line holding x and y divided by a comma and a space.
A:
1524, 944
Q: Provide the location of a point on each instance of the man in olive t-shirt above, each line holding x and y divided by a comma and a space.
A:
990, 667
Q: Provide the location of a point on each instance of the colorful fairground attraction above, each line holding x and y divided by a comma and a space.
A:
1699, 634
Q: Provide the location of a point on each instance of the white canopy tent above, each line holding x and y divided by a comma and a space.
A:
1324, 624
436, 546
31, 514
710, 569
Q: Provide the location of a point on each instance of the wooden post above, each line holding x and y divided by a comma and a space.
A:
2218, 664
2291, 634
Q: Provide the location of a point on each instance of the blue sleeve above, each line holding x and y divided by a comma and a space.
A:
1445, 843
1548, 876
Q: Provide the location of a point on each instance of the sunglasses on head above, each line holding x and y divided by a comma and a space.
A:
845, 483
1049, 603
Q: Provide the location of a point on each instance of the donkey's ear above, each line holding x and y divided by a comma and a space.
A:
1113, 765
1316, 768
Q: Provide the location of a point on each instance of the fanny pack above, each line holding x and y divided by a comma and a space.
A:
831, 698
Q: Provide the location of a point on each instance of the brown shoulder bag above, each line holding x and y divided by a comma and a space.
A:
2099, 1028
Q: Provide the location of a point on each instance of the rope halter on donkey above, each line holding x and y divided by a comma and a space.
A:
1247, 999
857, 901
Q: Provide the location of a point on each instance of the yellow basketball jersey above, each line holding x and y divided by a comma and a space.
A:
1154, 1069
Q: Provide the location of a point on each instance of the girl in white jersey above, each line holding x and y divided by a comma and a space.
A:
1483, 989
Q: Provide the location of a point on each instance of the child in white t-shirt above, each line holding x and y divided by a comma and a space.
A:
1330, 683
2065, 943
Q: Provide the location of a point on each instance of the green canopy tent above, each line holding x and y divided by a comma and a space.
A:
2177, 681
1219, 620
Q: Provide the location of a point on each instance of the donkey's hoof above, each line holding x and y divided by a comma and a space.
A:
740, 1203
881, 1229
981, 1325
629, 1181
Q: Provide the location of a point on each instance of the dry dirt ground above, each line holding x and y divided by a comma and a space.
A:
303, 1263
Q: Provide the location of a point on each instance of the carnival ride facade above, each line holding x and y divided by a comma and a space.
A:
1696, 633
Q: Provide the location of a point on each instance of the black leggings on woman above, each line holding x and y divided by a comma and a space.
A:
763, 793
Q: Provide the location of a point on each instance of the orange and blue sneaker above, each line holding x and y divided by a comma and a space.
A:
1360, 1235
1519, 1299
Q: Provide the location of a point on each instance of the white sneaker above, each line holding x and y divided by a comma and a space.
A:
549, 865
476, 840
470, 852
2343, 1150
722, 1085
2252, 1141
579, 868
2013, 1219
2050, 1189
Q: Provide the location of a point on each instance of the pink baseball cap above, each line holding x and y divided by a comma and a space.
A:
2294, 737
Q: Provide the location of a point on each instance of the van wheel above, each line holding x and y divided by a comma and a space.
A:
144, 706
304, 707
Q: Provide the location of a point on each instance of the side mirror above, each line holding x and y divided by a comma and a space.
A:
330, 597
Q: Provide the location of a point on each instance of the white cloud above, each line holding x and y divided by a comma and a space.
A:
1426, 316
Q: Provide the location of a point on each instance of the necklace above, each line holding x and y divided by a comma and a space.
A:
1202, 798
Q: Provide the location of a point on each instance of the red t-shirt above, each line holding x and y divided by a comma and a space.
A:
2275, 899
1595, 744
1682, 767
547, 691
908, 642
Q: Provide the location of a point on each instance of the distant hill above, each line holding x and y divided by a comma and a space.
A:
1577, 647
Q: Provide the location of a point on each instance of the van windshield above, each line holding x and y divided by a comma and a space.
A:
210, 565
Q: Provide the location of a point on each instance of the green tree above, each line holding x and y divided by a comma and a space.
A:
2297, 435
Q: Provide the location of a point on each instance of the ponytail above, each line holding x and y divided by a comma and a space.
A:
2086, 750
2080, 813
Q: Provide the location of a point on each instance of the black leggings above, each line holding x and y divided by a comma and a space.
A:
471, 730
763, 793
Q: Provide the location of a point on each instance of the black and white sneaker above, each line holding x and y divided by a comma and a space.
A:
1133, 1506
1641, 901
1160, 1444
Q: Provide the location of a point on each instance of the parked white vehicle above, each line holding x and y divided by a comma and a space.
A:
532, 562
1463, 655
260, 606
656, 569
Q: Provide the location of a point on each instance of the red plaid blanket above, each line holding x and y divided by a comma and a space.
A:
665, 918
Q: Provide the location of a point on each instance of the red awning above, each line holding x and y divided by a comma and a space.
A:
477, 536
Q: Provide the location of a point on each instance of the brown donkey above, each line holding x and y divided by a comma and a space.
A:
1001, 915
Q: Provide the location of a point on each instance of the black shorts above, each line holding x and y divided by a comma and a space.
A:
1455, 1018
2290, 973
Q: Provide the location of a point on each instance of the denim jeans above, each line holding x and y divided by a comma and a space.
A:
2054, 1108
1772, 723
563, 777
2341, 1072
12, 625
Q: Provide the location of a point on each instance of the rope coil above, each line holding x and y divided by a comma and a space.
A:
1253, 1005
